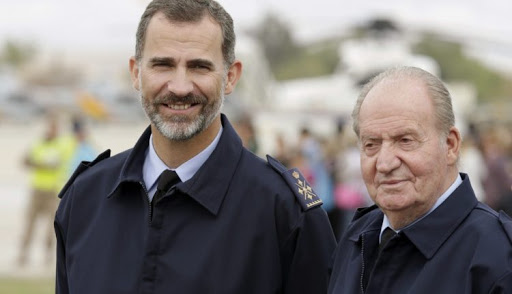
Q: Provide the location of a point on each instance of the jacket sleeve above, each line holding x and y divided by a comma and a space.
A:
61, 279
60, 225
307, 254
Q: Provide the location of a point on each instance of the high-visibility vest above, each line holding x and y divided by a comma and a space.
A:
46, 153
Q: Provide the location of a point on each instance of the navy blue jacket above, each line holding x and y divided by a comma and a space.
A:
462, 247
237, 226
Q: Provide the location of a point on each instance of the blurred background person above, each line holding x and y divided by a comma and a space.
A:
84, 149
281, 151
245, 129
496, 142
350, 191
473, 163
76, 147
45, 160
313, 153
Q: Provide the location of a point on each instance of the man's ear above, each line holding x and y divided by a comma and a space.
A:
134, 73
453, 142
234, 73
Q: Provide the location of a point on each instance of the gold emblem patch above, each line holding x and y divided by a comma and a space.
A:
304, 194
304, 189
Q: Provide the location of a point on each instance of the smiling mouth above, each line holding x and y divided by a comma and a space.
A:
178, 106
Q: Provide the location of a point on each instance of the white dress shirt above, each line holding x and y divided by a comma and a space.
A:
154, 166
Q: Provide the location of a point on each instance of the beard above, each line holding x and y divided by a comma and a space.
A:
182, 127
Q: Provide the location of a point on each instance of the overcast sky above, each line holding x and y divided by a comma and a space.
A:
111, 24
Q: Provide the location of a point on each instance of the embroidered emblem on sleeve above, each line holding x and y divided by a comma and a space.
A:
305, 194
300, 187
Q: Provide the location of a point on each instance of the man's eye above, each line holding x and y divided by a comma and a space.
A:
406, 140
202, 67
369, 146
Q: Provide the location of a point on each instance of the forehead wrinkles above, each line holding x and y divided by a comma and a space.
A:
393, 108
391, 126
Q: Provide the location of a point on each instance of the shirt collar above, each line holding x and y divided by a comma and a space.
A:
154, 166
440, 200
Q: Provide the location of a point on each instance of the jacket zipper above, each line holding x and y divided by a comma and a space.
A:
362, 263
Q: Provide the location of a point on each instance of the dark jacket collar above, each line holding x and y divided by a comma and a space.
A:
432, 231
210, 184
365, 220
131, 170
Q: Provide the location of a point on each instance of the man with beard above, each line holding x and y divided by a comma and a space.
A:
188, 209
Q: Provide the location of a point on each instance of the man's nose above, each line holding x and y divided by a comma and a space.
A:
387, 159
180, 83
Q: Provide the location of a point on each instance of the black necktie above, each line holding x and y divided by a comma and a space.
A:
387, 235
168, 178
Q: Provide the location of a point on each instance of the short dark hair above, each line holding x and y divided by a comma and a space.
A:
189, 11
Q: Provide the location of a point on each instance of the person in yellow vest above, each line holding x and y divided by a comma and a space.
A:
44, 159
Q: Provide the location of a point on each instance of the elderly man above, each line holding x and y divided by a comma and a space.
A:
427, 232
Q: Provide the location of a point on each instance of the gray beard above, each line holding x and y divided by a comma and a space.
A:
180, 128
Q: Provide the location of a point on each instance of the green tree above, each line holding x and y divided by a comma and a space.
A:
15, 53
289, 60
456, 65
276, 39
